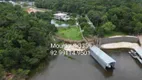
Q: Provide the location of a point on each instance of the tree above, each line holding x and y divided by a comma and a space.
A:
2, 72
82, 19
24, 39
99, 32
95, 17
84, 24
138, 27
108, 27
104, 18
114, 19
88, 31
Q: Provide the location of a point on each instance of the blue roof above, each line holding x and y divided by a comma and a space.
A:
107, 59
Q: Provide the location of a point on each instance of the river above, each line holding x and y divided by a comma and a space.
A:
86, 68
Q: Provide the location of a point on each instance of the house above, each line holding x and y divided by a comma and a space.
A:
31, 10
61, 16
34, 10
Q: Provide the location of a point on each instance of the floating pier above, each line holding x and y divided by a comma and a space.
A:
137, 53
102, 58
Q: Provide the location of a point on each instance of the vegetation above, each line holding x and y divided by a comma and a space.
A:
125, 15
108, 27
113, 34
88, 30
24, 40
72, 33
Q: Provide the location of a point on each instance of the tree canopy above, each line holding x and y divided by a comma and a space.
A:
124, 14
24, 39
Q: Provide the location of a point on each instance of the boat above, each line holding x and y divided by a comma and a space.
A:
102, 58
133, 54
136, 55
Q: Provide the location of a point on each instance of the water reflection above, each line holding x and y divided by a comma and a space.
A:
106, 74
138, 63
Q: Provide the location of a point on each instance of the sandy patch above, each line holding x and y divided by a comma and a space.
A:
121, 36
119, 45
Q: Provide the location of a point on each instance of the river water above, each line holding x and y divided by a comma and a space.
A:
86, 68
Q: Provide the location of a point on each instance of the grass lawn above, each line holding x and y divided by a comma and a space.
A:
72, 33
114, 34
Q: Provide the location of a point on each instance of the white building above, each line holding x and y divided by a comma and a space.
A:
61, 16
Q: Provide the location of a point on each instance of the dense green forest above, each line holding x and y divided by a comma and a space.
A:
108, 16
24, 40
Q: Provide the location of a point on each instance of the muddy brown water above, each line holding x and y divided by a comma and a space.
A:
86, 68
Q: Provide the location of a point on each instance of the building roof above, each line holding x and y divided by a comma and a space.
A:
60, 14
30, 10
102, 55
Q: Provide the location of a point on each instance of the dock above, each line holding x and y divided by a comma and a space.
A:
136, 53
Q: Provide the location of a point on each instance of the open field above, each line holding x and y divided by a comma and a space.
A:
72, 33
